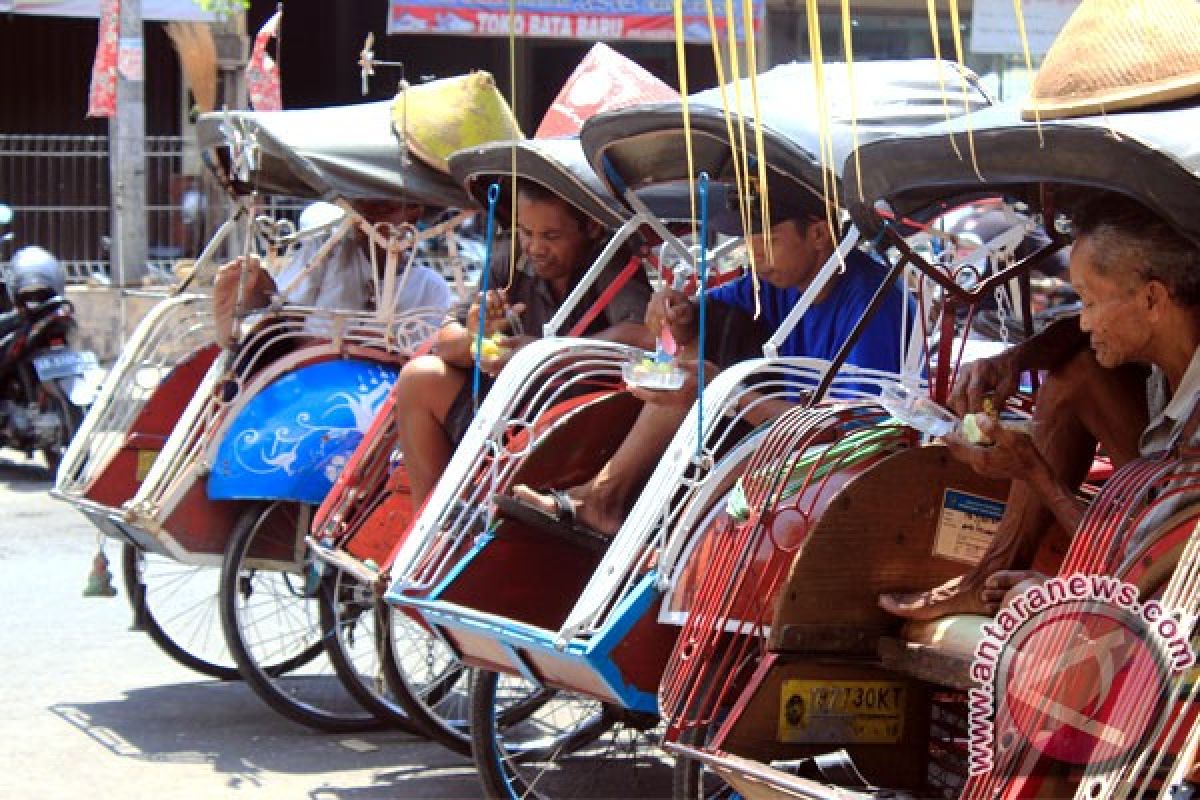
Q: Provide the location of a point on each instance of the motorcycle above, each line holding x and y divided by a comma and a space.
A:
45, 384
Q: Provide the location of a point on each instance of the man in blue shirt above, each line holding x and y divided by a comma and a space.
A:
800, 243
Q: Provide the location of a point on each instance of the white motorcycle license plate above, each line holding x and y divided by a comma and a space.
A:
63, 363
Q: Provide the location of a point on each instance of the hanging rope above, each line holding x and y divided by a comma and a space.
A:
681, 62
931, 5
1037, 114
493, 196
962, 79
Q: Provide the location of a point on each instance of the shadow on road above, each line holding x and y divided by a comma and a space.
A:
226, 726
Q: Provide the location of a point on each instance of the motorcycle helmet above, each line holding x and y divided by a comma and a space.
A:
36, 275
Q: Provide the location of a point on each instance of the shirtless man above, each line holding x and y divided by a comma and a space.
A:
1140, 285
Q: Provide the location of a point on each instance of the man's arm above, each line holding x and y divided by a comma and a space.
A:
998, 377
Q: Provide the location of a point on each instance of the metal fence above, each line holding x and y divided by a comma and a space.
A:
58, 188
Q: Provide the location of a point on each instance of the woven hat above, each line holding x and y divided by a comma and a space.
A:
437, 118
1119, 54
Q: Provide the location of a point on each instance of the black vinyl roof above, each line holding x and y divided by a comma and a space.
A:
343, 152
556, 164
645, 145
1152, 156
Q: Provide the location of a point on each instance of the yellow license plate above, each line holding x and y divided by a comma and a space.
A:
145, 462
841, 712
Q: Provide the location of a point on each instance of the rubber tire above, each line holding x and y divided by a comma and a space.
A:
146, 621
258, 677
382, 704
489, 753
419, 706
71, 417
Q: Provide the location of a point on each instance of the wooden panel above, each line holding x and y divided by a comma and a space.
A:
118, 481
876, 536
202, 525
524, 575
578, 444
642, 654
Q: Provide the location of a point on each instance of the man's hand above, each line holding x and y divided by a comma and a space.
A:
508, 345
257, 292
996, 377
672, 309
685, 395
497, 314
1011, 456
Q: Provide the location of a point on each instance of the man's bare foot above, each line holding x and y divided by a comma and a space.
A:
1001, 585
961, 595
586, 512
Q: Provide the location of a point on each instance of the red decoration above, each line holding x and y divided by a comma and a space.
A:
262, 71
102, 96
604, 81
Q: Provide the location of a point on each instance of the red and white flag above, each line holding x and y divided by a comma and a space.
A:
604, 81
102, 95
262, 71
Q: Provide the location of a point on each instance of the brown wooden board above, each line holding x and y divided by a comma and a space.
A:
876, 535
577, 445
119, 480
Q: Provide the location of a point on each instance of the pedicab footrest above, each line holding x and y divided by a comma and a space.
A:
939, 651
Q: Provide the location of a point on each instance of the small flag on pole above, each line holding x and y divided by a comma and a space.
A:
102, 95
262, 71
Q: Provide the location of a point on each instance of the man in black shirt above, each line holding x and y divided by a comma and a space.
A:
558, 244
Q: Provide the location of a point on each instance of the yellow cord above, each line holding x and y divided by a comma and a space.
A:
825, 138
931, 5
848, 46
760, 149
512, 92
681, 61
1037, 115
958, 52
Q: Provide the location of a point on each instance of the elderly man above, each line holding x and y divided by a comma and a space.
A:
800, 243
1139, 281
558, 243
344, 282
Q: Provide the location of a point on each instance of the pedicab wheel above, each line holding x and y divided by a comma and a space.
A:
176, 606
358, 624
69, 419
434, 687
270, 599
564, 746
428, 681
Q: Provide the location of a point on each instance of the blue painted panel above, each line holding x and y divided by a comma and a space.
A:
595, 654
293, 438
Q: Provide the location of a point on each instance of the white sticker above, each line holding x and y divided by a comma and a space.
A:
967, 525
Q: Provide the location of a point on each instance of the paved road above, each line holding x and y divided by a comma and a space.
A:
92, 710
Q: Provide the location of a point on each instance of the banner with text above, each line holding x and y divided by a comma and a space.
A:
642, 20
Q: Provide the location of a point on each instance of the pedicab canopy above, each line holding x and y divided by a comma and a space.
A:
1152, 156
343, 152
645, 146
556, 164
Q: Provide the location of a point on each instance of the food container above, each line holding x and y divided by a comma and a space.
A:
915, 409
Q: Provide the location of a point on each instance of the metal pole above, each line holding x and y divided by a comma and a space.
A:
127, 150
